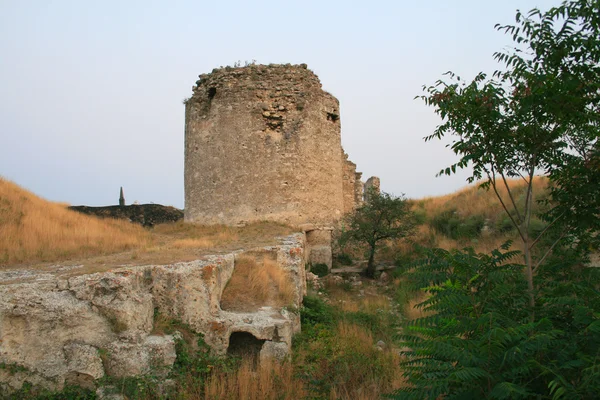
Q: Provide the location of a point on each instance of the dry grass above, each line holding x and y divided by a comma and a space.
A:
39, 233
220, 235
257, 281
472, 200
348, 301
269, 381
35, 230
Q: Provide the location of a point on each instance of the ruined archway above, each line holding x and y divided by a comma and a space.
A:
244, 344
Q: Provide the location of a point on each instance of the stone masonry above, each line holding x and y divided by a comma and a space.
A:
263, 142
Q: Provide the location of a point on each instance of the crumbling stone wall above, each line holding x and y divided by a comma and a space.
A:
349, 184
263, 142
372, 184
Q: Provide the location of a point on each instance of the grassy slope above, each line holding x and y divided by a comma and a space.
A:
35, 230
472, 217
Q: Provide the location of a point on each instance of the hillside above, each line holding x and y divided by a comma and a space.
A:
471, 217
36, 233
36, 230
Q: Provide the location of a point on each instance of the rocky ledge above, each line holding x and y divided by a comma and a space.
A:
76, 330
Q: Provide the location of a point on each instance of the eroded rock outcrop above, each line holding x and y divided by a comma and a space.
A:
56, 330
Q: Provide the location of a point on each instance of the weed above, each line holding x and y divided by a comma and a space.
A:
32, 392
13, 368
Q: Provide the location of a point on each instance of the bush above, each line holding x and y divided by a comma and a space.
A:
505, 225
320, 270
335, 354
451, 224
344, 259
315, 311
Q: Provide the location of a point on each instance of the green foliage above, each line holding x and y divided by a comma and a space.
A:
320, 270
479, 342
453, 226
13, 368
537, 116
326, 359
420, 216
315, 311
31, 392
382, 217
344, 259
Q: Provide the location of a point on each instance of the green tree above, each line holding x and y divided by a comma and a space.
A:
382, 217
540, 115
489, 332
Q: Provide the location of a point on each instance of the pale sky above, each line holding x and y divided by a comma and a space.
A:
91, 92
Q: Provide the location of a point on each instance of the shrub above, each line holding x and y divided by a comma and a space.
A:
315, 311
451, 224
320, 270
335, 353
344, 259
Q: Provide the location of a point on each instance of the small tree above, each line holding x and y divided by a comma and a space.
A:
382, 217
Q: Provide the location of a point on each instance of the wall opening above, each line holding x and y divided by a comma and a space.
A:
332, 117
212, 93
244, 344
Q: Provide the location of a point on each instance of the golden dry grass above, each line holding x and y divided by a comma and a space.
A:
268, 381
256, 282
371, 302
473, 200
38, 233
469, 202
35, 230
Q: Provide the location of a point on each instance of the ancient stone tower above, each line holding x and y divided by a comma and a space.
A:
262, 142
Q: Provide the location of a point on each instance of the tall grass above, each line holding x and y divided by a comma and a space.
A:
268, 381
35, 230
256, 283
343, 362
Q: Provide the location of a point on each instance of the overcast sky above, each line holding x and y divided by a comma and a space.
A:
91, 92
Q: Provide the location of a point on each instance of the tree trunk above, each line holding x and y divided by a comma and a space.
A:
371, 265
529, 272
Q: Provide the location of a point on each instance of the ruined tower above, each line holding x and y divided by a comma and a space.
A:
262, 142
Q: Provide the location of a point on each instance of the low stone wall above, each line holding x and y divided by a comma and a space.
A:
75, 330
